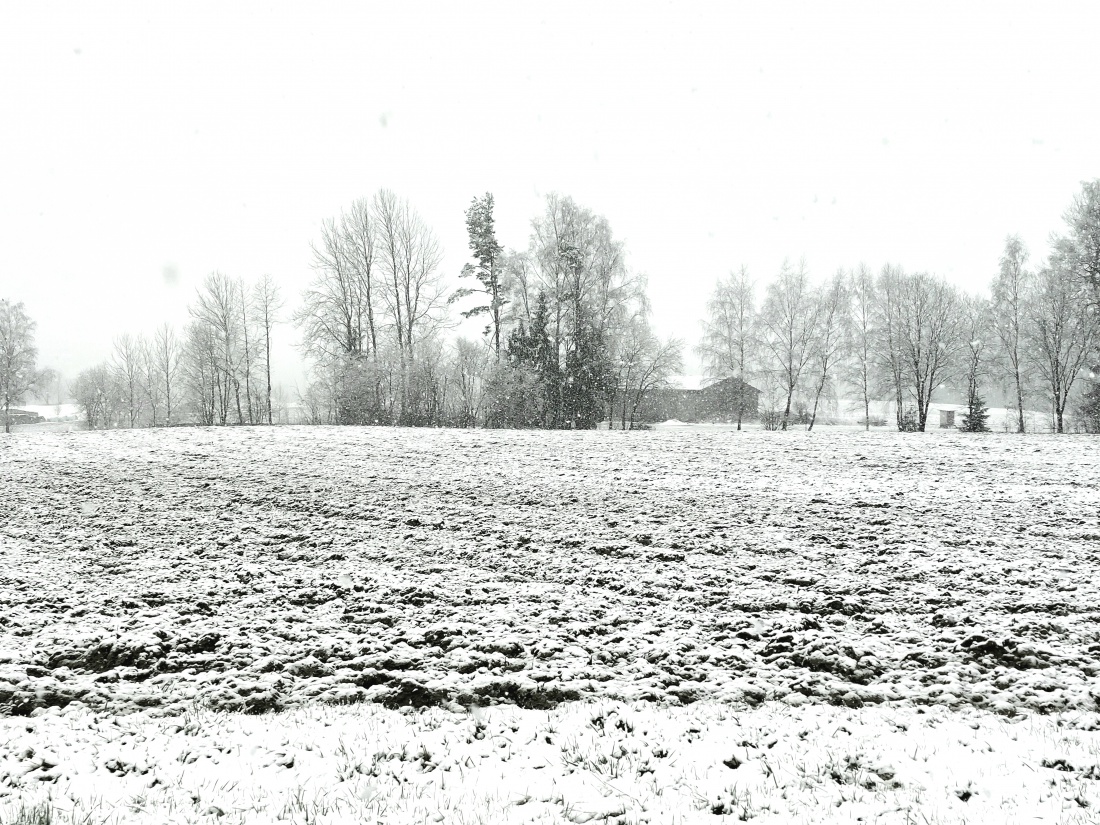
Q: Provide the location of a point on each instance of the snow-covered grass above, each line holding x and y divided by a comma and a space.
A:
602, 761
332, 625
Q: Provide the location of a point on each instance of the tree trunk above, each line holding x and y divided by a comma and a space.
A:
817, 400
7, 417
866, 411
1019, 401
787, 409
267, 348
237, 397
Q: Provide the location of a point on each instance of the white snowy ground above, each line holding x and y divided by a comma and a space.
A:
55, 412
675, 625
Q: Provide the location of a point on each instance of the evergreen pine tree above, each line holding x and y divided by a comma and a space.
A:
1089, 409
976, 419
488, 270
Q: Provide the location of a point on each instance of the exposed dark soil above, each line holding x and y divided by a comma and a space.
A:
256, 569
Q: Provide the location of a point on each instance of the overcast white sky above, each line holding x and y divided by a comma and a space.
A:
144, 145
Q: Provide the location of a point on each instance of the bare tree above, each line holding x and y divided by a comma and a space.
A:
410, 258
415, 295
18, 354
729, 342
202, 370
1083, 241
280, 402
931, 333
652, 362
890, 358
217, 308
336, 316
360, 238
789, 322
127, 364
166, 360
1063, 330
244, 307
469, 367
96, 391
522, 279
1010, 290
831, 340
861, 334
341, 313
151, 387
266, 303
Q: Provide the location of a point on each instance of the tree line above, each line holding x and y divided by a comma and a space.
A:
902, 336
217, 371
568, 340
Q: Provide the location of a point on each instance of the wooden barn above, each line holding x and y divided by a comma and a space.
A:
690, 401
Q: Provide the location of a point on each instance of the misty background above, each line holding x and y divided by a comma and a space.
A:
146, 148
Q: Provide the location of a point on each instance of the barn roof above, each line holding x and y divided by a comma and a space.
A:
688, 382
695, 383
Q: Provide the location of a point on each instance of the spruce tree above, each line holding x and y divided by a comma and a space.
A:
976, 419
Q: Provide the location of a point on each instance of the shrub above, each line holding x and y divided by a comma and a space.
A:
1088, 410
910, 421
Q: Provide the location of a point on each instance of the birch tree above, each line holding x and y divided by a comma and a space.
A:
645, 364
266, 303
336, 314
18, 355
1011, 289
729, 343
415, 294
166, 357
889, 356
1063, 330
217, 346
930, 332
789, 322
127, 364
151, 387
861, 333
1083, 221
579, 268
95, 390
830, 335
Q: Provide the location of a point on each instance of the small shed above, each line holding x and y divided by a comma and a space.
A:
947, 419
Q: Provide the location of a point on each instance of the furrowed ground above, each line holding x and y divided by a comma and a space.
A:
156, 575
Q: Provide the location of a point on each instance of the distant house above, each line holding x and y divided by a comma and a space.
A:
691, 401
21, 417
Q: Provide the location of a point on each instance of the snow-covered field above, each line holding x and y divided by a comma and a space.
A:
391, 625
